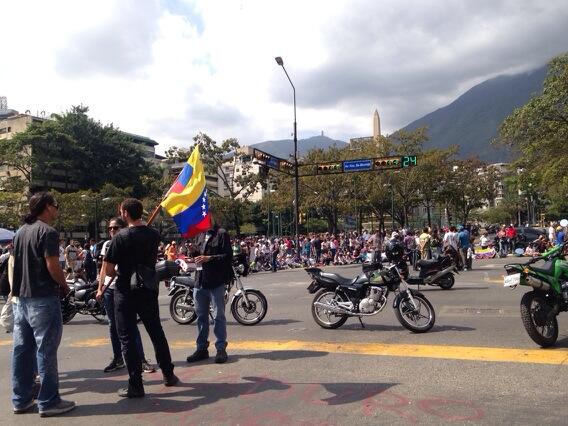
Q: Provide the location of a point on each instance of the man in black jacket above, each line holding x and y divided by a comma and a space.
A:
216, 259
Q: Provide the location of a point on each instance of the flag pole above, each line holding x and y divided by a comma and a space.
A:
154, 213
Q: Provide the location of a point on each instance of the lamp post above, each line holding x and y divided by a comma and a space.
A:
280, 62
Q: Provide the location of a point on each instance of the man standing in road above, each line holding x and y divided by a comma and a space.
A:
37, 283
464, 245
214, 272
135, 250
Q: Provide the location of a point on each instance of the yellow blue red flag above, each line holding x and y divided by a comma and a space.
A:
187, 201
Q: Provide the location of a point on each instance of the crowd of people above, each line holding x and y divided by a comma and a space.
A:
324, 249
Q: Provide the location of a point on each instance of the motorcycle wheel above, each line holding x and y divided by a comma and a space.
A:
446, 282
323, 317
256, 311
178, 313
418, 320
543, 332
266, 267
68, 311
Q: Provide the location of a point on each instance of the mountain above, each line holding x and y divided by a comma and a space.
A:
285, 148
473, 119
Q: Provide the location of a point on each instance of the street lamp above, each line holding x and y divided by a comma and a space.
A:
280, 62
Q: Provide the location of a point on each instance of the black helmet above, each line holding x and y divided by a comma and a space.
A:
394, 250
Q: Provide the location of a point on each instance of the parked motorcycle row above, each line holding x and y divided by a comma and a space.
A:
338, 298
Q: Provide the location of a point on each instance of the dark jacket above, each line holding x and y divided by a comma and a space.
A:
219, 270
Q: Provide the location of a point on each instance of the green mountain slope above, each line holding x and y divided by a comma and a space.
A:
473, 119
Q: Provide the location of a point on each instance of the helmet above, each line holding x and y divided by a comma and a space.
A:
394, 250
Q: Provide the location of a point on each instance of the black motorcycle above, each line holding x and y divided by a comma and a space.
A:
248, 305
338, 298
437, 272
81, 299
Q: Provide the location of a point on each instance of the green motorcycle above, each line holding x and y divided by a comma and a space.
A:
549, 297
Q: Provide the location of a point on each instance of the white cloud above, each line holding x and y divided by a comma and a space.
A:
168, 69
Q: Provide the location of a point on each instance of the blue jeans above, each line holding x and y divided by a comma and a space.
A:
114, 340
37, 327
216, 297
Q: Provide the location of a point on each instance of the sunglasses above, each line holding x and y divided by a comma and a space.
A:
113, 228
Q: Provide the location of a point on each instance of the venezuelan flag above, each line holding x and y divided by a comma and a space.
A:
187, 201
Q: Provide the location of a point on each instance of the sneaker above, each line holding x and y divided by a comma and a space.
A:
60, 408
171, 380
221, 356
198, 355
131, 392
25, 409
147, 367
115, 364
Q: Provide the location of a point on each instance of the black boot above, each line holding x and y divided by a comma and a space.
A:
198, 355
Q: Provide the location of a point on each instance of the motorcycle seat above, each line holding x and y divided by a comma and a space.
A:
547, 268
337, 278
185, 280
427, 263
82, 286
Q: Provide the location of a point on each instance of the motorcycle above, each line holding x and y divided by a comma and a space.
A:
248, 305
549, 296
81, 299
438, 272
338, 298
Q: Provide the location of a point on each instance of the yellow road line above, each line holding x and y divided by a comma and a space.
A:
552, 356
90, 343
472, 353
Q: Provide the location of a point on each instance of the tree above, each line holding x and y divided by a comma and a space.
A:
469, 186
12, 208
538, 131
76, 150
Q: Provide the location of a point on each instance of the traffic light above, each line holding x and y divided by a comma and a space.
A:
302, 218
385, 163
328, 168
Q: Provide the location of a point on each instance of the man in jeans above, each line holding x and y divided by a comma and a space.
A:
216, 261
132, 249
37, 284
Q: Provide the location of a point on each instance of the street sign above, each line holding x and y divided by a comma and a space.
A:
357, 165
273, 162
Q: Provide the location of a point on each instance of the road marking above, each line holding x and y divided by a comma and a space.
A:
90, 343
552, 356
471, 353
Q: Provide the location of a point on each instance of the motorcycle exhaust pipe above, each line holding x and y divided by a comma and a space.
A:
536, 283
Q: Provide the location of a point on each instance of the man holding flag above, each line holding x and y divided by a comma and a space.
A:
187, 202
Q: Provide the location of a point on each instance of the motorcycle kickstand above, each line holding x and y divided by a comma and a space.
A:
361, 321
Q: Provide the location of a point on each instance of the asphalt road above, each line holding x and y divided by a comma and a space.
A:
476, 366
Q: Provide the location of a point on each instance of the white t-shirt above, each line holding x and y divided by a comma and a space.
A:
108, 279
451, 238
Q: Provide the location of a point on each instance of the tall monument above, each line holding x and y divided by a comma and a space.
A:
376, 125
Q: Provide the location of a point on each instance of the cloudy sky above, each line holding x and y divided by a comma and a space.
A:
168, 69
